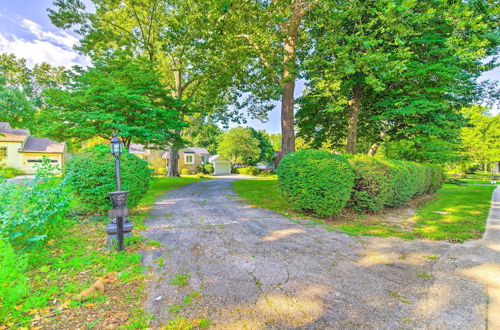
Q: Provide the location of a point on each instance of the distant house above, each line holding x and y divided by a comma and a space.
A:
190, 158
21, 150
222, 166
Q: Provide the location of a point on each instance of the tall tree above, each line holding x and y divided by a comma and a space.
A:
115, 94
15, 107
202, 133
481, 137
239, 146
274, 47
267, 153
406, 67
184, 37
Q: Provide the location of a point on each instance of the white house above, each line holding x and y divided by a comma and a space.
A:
222, 166
20, 150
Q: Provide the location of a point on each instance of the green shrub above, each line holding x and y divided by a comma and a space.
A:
208, 168
13, 283
372, 186
161, 171
249, 170
91, 177
316, 181
185, 171
30, 211
437, 178
10, 172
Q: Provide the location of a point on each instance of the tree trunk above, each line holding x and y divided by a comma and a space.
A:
464, 171
373, 149
352, 124
287, 118
173, 152
173, 158
291, 29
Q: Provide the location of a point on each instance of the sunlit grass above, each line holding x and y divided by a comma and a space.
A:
456, 213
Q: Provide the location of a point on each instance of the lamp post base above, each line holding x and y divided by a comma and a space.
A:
112, 231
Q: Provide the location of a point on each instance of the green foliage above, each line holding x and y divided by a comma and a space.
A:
15, 107
239, 146
202, 134
185, 171
30, 211
91, 177
316, 181
249, 170
408, 180
372, 186
115, 93
13, 282
9, 172
208, 168
481, 137
420, 62
267, 154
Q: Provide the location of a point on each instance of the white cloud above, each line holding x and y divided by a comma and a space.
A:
63, 38
43, 46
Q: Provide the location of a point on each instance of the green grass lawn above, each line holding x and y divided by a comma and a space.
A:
455, 213
73, 260
161, 185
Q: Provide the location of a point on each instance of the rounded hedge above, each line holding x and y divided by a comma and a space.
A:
316, 181
90, 176
372, 185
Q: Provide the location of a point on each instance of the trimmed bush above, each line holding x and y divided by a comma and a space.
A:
316, 181
185, 171
91, 177
249, 170
372, 185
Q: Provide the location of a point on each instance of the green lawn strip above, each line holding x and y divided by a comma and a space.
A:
467, 206
162, 185
464, 212
73, 260
157, 188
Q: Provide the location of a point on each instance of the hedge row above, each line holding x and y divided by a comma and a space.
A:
324, 183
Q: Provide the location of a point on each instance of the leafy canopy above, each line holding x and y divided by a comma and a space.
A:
115, 93
239, 146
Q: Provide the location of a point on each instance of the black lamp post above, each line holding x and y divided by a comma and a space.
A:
119, 201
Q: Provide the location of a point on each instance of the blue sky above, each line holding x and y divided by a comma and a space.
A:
26, 31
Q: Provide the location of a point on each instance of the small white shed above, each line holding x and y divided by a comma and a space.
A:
222, 166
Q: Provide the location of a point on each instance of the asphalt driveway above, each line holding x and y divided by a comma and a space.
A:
244, 267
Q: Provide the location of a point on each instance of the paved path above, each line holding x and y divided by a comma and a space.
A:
255, 269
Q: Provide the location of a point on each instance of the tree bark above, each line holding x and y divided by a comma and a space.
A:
352, 124
291, 28
173, 153
373, 149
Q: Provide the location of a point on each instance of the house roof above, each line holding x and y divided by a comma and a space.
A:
34, 144
213, 158
8, 134
201, 151
138, 149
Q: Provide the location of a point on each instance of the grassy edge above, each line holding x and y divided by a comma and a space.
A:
427, 224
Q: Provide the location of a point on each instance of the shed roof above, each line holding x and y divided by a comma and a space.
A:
8, 134
34, 144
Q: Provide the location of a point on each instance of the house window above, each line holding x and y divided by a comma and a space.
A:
3, 153
204, 159
188, 159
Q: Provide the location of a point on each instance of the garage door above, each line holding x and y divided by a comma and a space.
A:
222, 168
